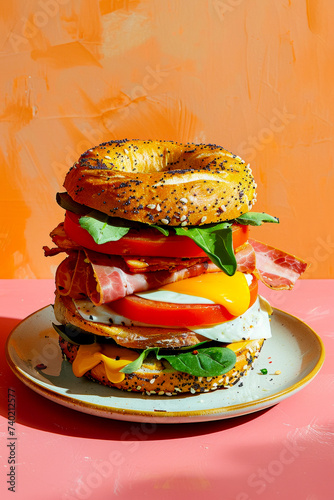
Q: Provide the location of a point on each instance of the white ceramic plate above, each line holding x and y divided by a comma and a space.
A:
294, 349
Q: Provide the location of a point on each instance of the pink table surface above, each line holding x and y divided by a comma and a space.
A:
284, 452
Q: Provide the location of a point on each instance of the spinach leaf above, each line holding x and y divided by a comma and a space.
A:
255, 219
205, 362
102, 230
137, 363
216, 241
209, 362
162, 229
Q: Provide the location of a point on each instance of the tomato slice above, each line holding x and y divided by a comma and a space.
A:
146, 242
176, 315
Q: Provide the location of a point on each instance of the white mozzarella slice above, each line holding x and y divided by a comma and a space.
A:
253, 324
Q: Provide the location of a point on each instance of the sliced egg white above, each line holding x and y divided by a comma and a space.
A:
253, 324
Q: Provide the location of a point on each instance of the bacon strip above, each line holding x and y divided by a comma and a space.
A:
105, 278
275, 268
63, 242
246, 259
72, 276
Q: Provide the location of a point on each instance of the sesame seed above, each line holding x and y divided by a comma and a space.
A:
184, 223
223, 208
183, 200
151, 206
183, 218
165, 221
277, 372
158, 208
203, 219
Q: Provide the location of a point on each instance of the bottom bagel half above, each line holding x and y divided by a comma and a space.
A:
160, 378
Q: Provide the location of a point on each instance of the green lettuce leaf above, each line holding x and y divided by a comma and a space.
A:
204, 362
216, 241
101, 229
255, 219
162, 229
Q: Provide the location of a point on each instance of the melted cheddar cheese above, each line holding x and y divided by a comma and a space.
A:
113, 358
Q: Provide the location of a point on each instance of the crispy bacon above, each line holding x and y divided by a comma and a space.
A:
246, 259
105, 278
275, 268
60, 238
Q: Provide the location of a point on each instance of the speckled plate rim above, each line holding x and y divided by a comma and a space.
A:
162, 416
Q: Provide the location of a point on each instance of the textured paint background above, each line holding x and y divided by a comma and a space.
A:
255, 76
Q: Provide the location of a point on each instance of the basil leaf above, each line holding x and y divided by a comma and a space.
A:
207, 362
137, 363
74, 335
101, 229
216, 241
162, 229
255, 218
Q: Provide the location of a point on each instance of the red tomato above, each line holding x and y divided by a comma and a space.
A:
175, 315
146, 242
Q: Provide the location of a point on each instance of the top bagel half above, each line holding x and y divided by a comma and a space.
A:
162, 182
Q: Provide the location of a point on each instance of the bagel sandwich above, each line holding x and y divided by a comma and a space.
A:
158, 292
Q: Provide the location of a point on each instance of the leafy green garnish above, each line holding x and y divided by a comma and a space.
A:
255, 219
101, 229
162, 229
205, 362
216, 241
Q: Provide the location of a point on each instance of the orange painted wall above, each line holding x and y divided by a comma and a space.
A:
255, 76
